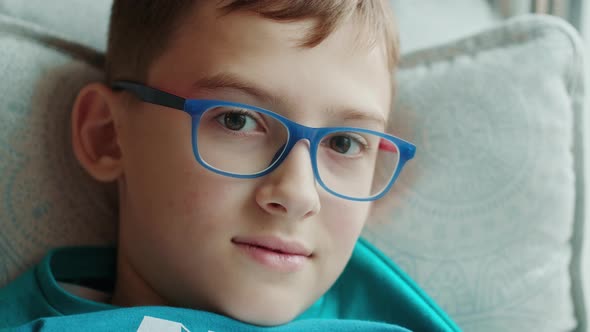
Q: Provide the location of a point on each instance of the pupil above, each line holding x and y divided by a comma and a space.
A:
340, 143
234, 121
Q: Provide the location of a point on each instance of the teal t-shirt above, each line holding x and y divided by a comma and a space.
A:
372, 294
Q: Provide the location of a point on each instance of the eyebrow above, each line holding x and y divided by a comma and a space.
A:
356, 115
231, 81
227, 80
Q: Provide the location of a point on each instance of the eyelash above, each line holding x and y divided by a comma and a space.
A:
253, 115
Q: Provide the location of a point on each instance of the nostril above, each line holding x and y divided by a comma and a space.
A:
277, 206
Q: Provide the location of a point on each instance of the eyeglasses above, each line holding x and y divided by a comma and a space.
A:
244, 141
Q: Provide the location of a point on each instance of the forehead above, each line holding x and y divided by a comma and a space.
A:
339, 70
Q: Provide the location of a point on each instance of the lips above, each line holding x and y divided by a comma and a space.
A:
274, 254
274, 244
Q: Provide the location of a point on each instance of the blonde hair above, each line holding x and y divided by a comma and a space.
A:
138, 33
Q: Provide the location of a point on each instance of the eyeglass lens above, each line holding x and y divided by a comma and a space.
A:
243, 141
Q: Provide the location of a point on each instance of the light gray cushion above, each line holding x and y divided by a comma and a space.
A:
45, 197
489, 215
425, 23
85, 22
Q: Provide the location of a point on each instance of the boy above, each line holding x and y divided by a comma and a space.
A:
231, 202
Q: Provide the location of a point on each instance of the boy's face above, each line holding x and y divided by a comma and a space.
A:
187, 235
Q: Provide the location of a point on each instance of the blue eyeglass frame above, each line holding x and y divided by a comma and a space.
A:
296, 132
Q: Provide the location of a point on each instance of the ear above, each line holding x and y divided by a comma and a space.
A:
95, 136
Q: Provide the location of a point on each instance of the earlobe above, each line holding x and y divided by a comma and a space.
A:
95, 136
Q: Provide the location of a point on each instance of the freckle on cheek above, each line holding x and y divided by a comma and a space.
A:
190, 203
170, 204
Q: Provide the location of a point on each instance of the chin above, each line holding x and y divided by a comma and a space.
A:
265, 316
269, 321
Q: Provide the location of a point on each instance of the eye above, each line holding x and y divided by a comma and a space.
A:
238, 120
347, 144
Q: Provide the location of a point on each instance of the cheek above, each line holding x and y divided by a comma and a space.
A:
344, 222
207, 194
181, 198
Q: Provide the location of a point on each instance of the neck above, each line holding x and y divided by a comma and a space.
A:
130, 288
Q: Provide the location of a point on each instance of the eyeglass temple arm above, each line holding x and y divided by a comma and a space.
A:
150, 95
387, 146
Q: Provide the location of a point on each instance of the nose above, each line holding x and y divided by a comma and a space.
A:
290, 190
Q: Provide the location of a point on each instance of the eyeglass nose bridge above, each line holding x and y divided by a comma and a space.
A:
296, 132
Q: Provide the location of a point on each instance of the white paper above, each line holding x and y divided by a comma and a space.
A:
153, 324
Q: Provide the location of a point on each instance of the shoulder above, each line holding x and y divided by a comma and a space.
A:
22, 301
37, 293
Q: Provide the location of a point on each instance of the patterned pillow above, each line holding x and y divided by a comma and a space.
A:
484, 216
46, 199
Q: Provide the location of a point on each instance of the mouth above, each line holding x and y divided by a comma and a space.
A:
274, 253
274, 244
